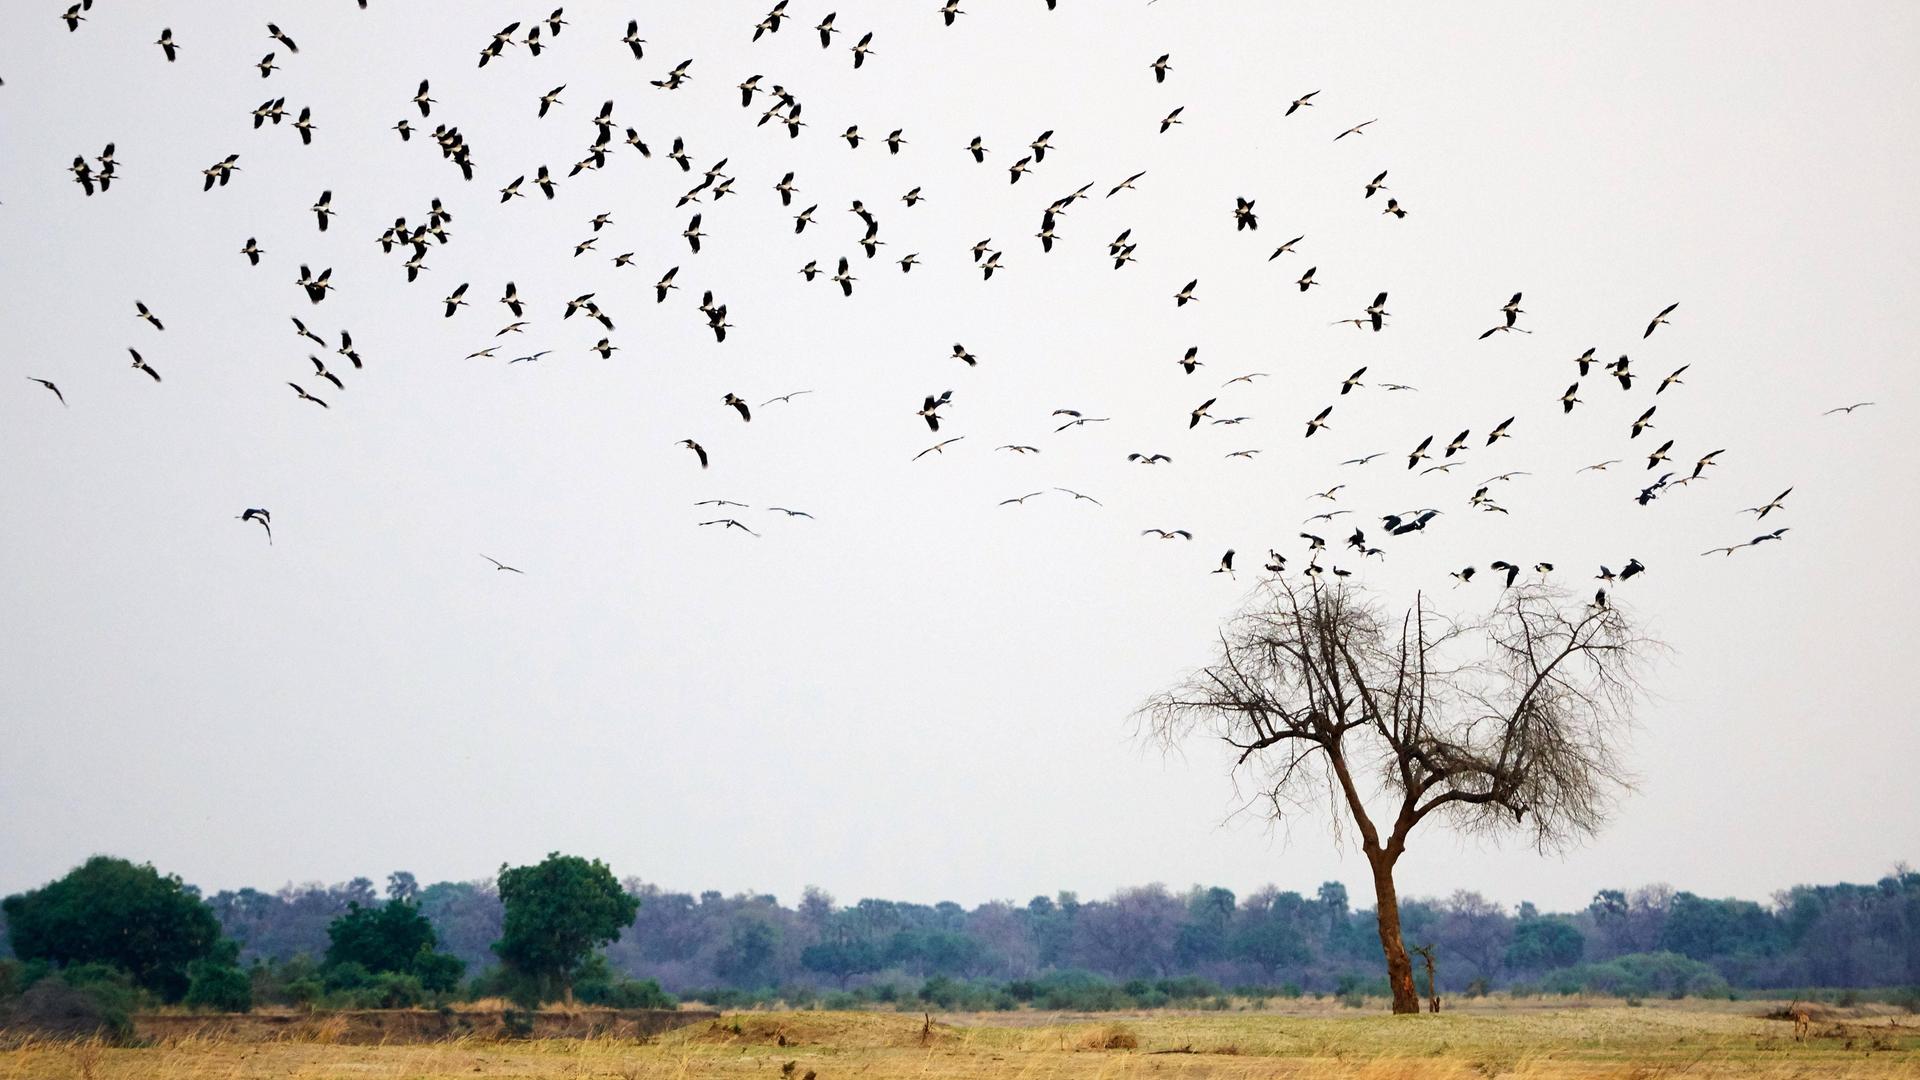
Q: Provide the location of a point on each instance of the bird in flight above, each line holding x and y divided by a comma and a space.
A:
49, 385
264, 518
498, 565
1778, 502
139, 364
1660, 319
1848, 409
938, 448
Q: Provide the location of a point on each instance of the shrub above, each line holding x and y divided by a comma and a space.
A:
626, 994
390, 990
218, 987
52, 1008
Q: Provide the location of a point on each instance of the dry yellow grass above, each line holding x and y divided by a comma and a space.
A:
1521, 1041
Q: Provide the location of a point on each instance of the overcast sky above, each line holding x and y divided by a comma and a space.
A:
918, 693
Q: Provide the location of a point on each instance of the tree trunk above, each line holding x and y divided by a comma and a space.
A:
1387, 904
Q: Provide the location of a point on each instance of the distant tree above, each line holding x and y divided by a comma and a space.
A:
1476, 930
216, 983
1203, 937
558, 912
110, 911
1699, 928
1333, 897
402, 885
746, 960
842, 960
816, 909
392, 938
1507, 723
467, 915
1133, 934
1271, 944
1540, 944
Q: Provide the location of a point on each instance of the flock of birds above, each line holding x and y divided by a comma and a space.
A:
778, 107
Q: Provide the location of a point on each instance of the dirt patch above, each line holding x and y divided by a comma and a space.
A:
361, 1027
865, 1031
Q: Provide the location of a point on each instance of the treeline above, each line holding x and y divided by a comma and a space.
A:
1809, 935
1145, 945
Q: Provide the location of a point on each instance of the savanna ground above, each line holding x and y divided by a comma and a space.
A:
1523, 1040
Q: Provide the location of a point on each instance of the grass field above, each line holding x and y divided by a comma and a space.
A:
1520, 1039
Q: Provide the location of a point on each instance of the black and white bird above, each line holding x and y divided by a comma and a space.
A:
1660, 319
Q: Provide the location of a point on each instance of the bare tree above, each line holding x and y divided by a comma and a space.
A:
1509, 723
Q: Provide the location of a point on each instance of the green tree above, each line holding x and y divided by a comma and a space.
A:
216, 983
558, 912
111, 911
394, 937
1538, 944
842, 959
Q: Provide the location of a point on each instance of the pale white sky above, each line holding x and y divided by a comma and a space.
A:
920, 694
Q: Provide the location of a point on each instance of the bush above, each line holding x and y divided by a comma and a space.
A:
54, 1009
218, 988
390, 990
347, 976
626, 994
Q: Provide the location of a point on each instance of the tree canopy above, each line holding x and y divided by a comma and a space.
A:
110, 911
1507, 723
558, 911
